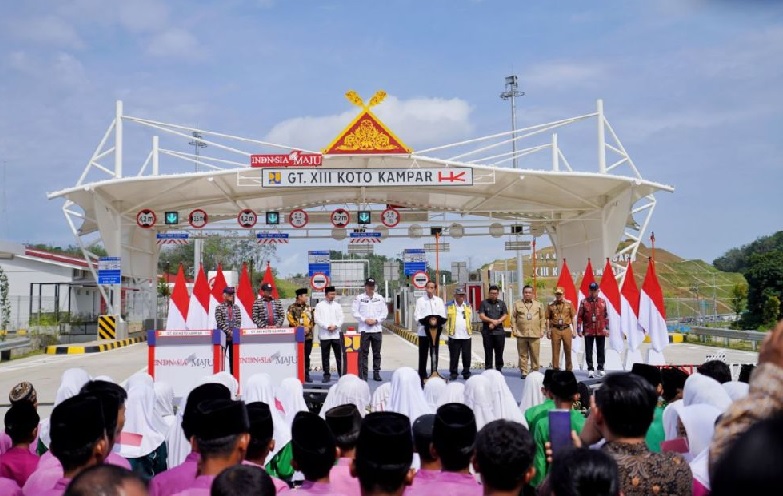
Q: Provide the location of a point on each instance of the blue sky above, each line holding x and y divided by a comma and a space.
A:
694, 89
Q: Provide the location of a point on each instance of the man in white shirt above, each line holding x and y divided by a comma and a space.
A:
369, 309
328, 322
459, 328
429, 306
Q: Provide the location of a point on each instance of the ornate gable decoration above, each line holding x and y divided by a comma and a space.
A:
366, 134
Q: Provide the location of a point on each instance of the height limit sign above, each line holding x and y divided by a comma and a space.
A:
340, 217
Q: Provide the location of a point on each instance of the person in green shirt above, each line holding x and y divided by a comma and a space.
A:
565, 393
533, 413
655, 434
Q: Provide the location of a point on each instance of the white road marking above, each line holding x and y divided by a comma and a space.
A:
48, 359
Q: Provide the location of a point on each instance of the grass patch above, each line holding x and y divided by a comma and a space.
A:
733, 344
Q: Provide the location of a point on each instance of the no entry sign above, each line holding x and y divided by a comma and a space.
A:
319, 281
420, 280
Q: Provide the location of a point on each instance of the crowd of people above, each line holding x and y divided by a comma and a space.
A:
648, 431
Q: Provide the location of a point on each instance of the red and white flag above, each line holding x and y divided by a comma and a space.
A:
566, 282
179, 301
629, 318
245, 299
198, 313
216, 295
269, 278
652, 312
587, 279
610, 292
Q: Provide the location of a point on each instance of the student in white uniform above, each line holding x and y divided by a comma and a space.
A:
369, 309
428, 307
328, 322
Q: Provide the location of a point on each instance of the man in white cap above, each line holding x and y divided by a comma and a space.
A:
369, 309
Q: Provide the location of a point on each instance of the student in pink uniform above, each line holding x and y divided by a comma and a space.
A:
453, 441
262, 440
384, 453
106, 479
78, 439
504, 458
243, 480
345, 422
422, 445
10, 488
314, 453
21, 425
24, 391
222, 433
179, 477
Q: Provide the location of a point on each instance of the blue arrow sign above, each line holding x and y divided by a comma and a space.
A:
266, 235
364, 217
364, 235
172, 236
172, 217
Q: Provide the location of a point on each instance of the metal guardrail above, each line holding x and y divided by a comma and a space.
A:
8, 345
755, 337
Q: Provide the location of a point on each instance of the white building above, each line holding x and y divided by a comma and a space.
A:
47, 285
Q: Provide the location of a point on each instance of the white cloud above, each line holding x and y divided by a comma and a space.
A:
138, 16
561, 74
69, 71
47, 30
417, 122
174, 42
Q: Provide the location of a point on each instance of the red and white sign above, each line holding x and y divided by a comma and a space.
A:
298, 218
293, 159
340, 217
146, 218
319, 281
420, 280
390, 217
247, 218
198, 218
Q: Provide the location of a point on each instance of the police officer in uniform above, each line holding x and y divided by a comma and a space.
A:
300, 314
369, 309
528, 325
560, 315
591, 321
492, 313
228, 318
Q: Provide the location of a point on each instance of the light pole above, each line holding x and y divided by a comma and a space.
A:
197, 144
512, 93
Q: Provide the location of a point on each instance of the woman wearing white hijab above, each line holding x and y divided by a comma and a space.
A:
407, 397
70, 385
259, 388
348, 390
380, 398
702, 389
503, 403
479, 399
227, 380
291, 396
142, 441
433, 389
164, 410
531, 393
671, 415
699, 422
453, 393
736, 390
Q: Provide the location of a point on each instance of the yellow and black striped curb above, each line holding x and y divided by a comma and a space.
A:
673, 338
405, 334
107, 327
80, 350
20, 332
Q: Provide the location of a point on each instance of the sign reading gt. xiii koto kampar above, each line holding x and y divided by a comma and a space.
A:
310, 177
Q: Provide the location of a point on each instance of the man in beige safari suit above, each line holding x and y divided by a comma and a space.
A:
528, 324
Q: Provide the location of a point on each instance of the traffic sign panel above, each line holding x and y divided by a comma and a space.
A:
319, 281
247, 218
340, 217
110, 270
364, 216
390, 217
198, 218
298, 218
146, 218
420, 280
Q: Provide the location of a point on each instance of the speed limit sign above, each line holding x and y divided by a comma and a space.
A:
247, 218
146, 218
390, 217
298, 218
198, 218
340, 217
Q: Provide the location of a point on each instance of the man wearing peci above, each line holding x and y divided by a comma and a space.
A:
369, 309
429, 309
492, 313
228, 318
591, 321
267, 312
329, 319
300, 314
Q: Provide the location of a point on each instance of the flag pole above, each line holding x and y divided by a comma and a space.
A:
534, 269
652, 240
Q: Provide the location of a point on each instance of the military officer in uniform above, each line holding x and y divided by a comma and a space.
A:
228, 318
300, 314
528, 325
560, 316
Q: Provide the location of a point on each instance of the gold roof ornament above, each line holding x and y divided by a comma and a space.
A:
366, 134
